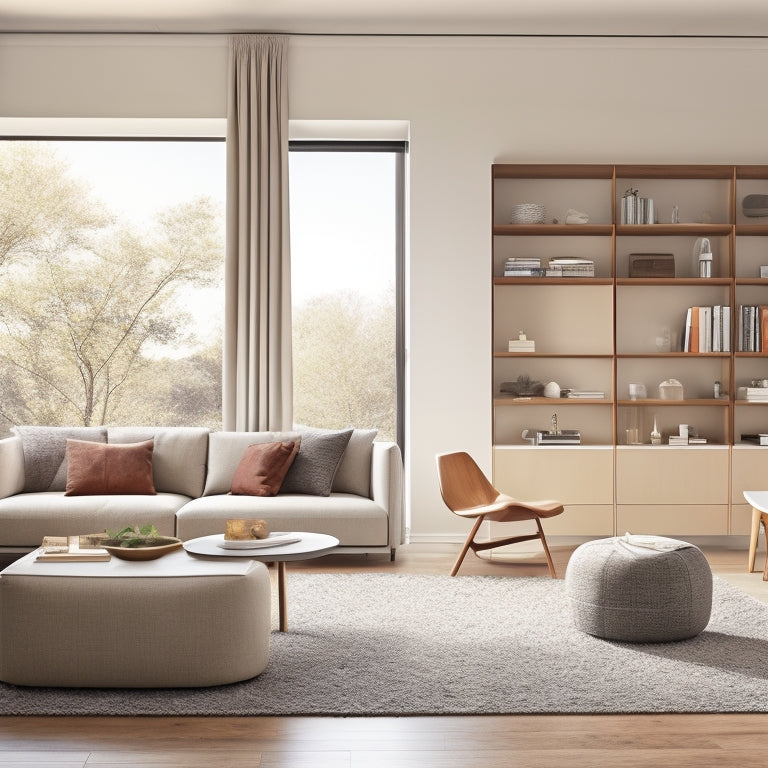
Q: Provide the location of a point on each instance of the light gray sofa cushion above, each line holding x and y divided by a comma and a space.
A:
27, 517
355, 521
226, 449
45, 452
354, 472
179, 457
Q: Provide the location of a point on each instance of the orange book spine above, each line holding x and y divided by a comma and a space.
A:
694, 330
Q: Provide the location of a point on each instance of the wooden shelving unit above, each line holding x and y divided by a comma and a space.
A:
604, 332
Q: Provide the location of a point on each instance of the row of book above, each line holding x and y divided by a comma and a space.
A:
753, 328
559, 267
707, 329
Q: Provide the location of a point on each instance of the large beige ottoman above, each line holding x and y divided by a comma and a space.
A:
177, 621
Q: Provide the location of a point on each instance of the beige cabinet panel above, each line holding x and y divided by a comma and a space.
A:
673, 520
581, 520
749, 471
572, 475
741, 519
664, 475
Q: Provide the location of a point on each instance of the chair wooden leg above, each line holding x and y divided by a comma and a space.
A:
467, 545
551, 565
753, 536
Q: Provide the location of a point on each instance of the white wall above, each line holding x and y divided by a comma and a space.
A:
470, 102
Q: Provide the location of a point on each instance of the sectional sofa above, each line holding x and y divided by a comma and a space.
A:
341, 482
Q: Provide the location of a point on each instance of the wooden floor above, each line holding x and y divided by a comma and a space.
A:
529, 741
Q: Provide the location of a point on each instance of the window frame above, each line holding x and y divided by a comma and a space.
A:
400, 149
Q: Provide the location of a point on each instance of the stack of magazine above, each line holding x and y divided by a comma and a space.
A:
587, 394
523, 267
571, 267
753, 394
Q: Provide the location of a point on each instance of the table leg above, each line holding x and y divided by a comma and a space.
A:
281, 602
754, 532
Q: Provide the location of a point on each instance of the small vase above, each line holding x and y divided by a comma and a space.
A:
655, 434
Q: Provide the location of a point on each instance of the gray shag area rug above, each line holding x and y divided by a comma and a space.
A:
381, 644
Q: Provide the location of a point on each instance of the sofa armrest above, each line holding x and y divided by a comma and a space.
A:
11, 466
387, 487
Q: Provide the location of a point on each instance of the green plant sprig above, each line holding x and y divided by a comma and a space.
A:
134, 536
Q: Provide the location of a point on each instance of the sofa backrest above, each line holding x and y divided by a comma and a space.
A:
226, 449
179, 457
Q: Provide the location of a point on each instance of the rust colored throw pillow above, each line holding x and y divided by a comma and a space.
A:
262, 469
101, 468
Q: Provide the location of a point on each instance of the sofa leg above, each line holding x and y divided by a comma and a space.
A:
392, 555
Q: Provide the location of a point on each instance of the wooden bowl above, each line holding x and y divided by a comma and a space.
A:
151, 552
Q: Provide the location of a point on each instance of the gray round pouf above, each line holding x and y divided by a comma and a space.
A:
640, 594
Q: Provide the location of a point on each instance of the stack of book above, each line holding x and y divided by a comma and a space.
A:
71, 549
759, 439
707, 329
571, 267
685, 440
522, 345
563, 437
523, 267
753, 329
587, 394
753, 394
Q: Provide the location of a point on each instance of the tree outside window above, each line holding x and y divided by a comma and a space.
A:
105, 318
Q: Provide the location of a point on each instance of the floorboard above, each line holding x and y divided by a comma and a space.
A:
532, 741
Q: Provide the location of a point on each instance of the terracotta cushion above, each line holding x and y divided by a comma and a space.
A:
263, 467
99, 468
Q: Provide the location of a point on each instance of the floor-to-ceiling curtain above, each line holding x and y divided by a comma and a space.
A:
257, 381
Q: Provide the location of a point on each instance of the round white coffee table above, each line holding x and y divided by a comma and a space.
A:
309, 545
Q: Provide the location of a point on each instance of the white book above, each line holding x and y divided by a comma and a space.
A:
717, 329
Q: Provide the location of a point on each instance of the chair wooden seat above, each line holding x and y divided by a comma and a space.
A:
468, 493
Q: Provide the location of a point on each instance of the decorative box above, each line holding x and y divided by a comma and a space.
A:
651, 265
671, 389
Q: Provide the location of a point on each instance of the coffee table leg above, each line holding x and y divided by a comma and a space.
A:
281, 603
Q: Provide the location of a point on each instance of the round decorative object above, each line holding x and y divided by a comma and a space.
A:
552, 389
164, 545
654, 593
528, 213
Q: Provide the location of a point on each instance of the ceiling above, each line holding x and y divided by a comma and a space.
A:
437, 17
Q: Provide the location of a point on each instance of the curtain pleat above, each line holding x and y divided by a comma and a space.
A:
257, 377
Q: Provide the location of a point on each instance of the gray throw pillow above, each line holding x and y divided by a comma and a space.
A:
315, 465
45, 449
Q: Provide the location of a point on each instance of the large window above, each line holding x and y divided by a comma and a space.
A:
347, 241
111, 274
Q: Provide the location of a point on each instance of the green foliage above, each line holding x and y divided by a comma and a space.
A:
134, 536
344, 363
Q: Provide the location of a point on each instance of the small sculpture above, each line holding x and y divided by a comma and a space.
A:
572, 216
552, 389
244, 529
